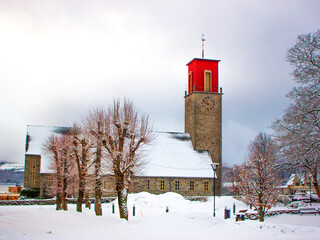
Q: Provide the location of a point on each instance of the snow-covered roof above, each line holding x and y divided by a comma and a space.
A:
301, 177
169, 155
291, 179
36, 137
172, 155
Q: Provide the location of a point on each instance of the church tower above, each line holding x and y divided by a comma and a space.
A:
203, 110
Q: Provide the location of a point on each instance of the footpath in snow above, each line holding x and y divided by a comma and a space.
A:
185, 220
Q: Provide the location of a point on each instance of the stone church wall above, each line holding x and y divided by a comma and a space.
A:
155, 185
32, 171
203, 122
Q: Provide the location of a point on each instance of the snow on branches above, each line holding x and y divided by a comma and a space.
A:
127, 133
257, 177
60, 150
298, 132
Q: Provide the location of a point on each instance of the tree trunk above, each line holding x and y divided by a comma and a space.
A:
59, 193
64, 195
80, 200
316, 185
59, 181
80, 192
87, 201
64, 185
98, 208
59, 201
122, 201
122, 192
261, 214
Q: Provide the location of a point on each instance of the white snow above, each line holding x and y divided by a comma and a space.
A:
172, 155
185, 220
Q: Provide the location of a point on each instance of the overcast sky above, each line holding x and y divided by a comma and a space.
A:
59, 58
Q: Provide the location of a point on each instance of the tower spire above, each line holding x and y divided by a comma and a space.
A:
202, 39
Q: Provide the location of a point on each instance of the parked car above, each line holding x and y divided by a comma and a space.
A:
301, 197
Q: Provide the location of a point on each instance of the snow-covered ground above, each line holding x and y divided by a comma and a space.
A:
185, 220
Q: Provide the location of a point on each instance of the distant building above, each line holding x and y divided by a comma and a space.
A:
177, 162
13, 193
297, 183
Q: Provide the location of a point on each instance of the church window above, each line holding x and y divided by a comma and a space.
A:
161, 184
191, 185
207, 81
177, 185
206, 186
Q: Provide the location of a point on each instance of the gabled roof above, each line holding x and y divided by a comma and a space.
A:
169, 155
300, 177
291, 180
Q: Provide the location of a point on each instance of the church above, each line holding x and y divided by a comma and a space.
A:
177, 162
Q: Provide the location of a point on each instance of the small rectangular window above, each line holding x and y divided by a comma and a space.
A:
191, 185
206, 186
161, 184
177, 185
207, 81
148, 184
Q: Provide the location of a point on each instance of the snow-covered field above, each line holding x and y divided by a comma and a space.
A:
185, 220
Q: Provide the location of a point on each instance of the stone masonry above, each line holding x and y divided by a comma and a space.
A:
32, 171
203, 123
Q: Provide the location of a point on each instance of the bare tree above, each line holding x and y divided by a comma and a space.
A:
60, 149
298, 132
81, 151
95, 125
230, 176
51, 147
258, 176
127, 132
304, 56
298, 146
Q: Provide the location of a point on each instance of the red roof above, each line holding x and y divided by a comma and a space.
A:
203, 59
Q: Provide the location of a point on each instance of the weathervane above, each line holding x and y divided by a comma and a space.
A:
203, 39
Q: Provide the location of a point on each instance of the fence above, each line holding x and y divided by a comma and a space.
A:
49, 201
